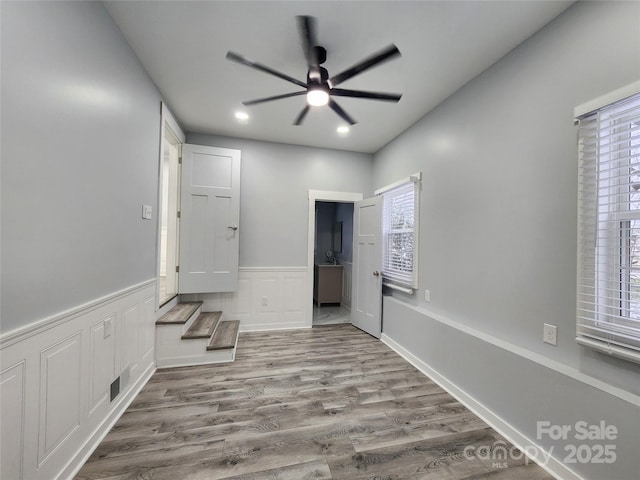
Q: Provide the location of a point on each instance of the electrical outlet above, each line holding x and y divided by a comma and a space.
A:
550, 334
265, 301
427, 295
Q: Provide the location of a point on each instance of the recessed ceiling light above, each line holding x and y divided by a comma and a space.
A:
242, 116
343, 130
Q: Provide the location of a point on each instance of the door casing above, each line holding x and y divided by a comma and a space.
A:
321, 196
168, 125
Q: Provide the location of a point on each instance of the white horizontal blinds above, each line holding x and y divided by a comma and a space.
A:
398, 232
608, 304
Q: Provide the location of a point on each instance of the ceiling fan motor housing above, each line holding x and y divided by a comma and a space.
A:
320, 54
317, 75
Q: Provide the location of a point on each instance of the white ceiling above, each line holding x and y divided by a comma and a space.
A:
444, 44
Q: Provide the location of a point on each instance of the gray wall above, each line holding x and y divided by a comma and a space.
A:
274, 199
344, 214
80, 146
325, 221
498, 202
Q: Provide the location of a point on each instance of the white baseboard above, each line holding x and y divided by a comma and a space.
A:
263, 327
522, 442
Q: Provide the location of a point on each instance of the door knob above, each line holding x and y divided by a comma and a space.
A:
233, 227
376, 273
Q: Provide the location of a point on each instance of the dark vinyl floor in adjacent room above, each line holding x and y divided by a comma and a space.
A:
323, 403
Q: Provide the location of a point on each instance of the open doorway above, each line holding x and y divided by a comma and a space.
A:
333, 248
312, 250
172, 140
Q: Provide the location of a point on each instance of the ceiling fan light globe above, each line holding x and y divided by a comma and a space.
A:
317, 97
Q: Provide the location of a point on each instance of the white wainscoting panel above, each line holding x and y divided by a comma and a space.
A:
148, 334
103, 359
268, 298
60, 390
293, 295
12, 413
130, 332
55, 390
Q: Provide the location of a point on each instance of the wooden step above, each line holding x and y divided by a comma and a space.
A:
203, 326
179, 314
225, 335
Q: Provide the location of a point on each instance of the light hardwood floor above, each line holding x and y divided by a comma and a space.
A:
323, 403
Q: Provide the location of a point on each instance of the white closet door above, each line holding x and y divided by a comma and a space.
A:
209, 219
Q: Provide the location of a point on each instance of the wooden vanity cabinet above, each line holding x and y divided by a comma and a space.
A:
327, 284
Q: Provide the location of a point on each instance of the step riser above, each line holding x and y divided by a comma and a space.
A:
171, 351
189, 322
212, 357
174, 351
171, 346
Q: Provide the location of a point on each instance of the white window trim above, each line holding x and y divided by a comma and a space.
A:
606, 99
395, 284
416, 177
588, 331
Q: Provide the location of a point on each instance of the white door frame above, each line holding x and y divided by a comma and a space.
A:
322, 196
169, 124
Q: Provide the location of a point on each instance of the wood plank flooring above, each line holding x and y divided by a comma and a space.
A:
324, 403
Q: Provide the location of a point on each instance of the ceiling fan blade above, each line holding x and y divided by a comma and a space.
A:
388, 97
301, 115
369, 62
275, 97
344, 115
307, 30
234, 57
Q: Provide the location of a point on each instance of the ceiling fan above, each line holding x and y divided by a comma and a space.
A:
319, 87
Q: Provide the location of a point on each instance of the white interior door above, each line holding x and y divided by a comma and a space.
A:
209, 219
366, 306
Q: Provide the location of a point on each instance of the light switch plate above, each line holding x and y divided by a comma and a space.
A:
146, 212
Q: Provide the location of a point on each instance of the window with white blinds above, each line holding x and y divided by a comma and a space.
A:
608, 303
399, 233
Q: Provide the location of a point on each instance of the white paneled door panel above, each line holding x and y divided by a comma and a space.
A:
209, 219
366, 311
